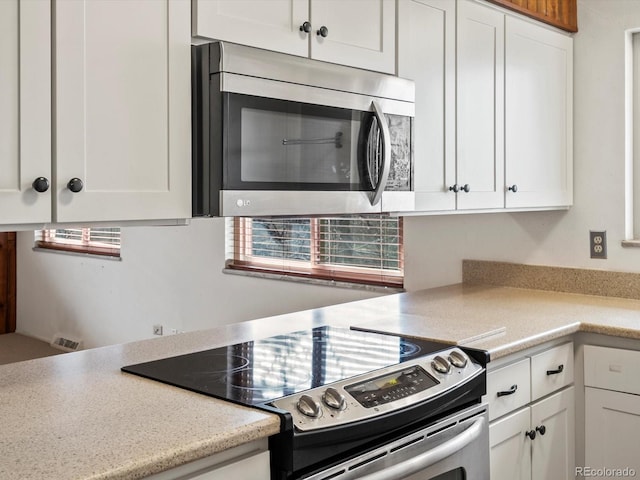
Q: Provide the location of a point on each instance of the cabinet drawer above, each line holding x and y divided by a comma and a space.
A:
551, 370
612, 368
501, 382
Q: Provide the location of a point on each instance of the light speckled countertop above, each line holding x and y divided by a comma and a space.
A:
77, 416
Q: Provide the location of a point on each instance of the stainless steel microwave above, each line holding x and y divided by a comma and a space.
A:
275, 134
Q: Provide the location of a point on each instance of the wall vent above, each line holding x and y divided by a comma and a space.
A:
66, 343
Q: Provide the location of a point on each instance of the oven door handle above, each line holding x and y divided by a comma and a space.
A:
386, 152
430, 457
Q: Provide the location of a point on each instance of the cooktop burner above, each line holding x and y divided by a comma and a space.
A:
260, 371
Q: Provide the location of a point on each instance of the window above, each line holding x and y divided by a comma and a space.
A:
362, 249
96, 241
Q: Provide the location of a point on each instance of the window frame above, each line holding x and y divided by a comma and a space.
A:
312, 269
46, 239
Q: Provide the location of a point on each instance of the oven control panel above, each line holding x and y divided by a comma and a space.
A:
379, 392
389, 388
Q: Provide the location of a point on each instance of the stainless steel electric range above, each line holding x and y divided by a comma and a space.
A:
352, 404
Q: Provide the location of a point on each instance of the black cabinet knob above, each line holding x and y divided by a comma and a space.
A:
454, 188
305, 27
513, 188
75, 185
323, 32
40, 184
531, 434
466, 188
541, 429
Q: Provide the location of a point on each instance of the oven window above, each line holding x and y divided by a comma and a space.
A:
457, 474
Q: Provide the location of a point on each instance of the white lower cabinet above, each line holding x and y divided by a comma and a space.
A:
612, 410
510, 447
611, 430
553, 454
536, 442
532, 413
245, 462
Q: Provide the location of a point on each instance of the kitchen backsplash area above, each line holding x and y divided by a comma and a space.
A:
556, 279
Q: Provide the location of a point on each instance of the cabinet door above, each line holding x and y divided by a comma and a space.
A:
123, 114
426, 55
510, 447
538, 109
25, 110
273, 25
358, 35
480, 106
611, 429
553, 453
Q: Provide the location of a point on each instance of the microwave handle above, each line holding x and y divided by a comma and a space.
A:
386, 153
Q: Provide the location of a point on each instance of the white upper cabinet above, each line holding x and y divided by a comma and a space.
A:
122, 116
273, 25
349, 32
493, 126
25, 111
426, 55
480, 106
539, 135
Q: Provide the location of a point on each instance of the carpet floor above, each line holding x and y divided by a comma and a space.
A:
15, 347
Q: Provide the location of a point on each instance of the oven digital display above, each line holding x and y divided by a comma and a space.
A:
391, 387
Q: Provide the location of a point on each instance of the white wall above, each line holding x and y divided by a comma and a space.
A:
172, 275
168, 275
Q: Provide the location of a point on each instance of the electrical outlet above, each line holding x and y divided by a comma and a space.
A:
157, 329
598, 244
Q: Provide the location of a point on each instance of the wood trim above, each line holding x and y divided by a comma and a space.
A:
7, 282
88, 249
559, 13
365, 279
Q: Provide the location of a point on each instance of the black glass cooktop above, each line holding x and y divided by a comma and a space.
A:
257, 372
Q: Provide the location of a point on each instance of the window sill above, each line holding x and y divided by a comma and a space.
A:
631, 243
313, 281
78, 254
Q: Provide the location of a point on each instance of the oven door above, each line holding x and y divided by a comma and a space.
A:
455, 448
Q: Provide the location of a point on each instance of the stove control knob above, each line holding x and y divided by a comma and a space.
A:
458, 359
308, 406
334, 399
441, 364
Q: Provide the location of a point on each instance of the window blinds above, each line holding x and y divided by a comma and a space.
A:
362, 248
98, 241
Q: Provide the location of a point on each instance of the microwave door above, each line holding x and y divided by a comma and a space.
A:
289, 158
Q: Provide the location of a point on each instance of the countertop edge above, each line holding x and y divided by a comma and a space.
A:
193, 452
